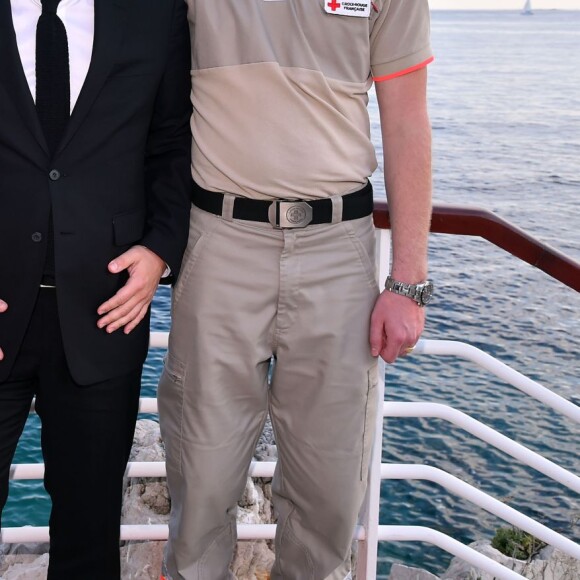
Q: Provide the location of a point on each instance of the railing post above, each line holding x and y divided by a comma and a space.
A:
368, 548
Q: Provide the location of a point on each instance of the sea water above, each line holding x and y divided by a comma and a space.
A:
505, 107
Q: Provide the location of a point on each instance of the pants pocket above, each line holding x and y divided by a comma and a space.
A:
362, 238
201, 229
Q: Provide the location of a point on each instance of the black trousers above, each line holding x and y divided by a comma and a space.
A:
87, 432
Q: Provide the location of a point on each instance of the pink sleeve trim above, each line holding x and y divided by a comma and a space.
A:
404, 71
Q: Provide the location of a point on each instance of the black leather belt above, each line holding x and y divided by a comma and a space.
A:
287, 213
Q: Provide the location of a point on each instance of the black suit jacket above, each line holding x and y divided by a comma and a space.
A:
120, 177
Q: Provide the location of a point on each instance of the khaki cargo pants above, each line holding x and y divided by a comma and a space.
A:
248, 292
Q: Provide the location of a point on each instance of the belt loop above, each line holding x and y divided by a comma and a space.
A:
228, 207
336, 209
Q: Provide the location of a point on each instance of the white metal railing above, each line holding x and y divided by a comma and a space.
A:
487, 434
501, 370
154, 532
370, 532
423, 534
483, 500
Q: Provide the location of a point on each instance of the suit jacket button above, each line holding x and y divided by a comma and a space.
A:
37, 237
54, 175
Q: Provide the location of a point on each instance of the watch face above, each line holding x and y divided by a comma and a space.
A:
427, 293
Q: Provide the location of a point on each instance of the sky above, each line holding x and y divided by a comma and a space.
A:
503, 4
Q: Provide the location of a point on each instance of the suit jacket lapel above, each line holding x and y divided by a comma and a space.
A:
110, 22
13, 78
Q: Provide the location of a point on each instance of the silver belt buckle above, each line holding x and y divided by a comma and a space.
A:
293, 214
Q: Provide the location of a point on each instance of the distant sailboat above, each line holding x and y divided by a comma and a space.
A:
527, 9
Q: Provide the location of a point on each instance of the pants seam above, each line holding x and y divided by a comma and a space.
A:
364, 437
181, 423
202, 560
292, 537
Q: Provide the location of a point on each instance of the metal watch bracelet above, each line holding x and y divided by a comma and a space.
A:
420, 293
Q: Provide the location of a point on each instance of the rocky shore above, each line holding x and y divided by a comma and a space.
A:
146, 501
548, 564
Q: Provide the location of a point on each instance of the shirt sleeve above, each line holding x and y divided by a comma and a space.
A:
400, 38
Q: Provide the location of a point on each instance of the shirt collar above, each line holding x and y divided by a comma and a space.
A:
66, 3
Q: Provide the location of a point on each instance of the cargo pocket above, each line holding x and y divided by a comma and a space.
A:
369, 424
170, 397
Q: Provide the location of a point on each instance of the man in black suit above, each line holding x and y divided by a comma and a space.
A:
94, 210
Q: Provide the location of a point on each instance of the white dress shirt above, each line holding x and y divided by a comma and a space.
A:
78, 17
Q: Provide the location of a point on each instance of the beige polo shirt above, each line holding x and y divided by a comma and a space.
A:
280, 90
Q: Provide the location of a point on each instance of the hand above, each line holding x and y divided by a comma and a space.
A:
3, 308
129, 305
396, 325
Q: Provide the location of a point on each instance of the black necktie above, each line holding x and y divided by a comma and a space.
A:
52, 74
52, 96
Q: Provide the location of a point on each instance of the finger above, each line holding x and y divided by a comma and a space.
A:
387, 354
119, 312
376, 335
407, 350
392, 348
132, 325
131, 289
123, 261
376, 340
123, 320
1, 354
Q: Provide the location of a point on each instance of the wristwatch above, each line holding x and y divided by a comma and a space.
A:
420, 293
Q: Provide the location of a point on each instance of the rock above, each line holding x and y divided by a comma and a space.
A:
147, 443
19, 549
560, 566
141, 560
19, 557
253, 561
556, 566
266, 448
26, 567
461, 570
146, 501
255, 507
266, 452
400, 572
545, 553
